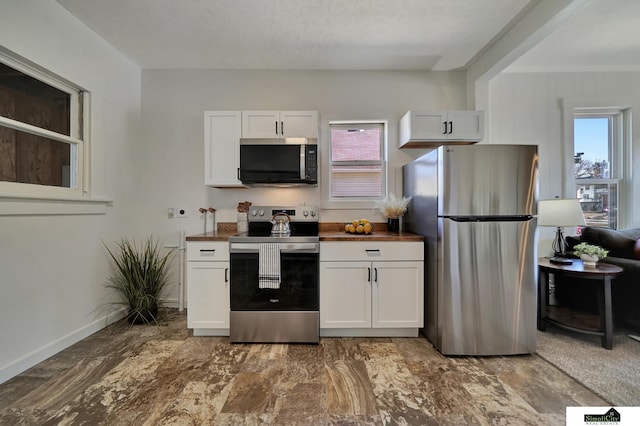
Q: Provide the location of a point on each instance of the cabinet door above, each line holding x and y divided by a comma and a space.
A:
345, 295
299, 124
428, 125
260, 124
208, 294
397, 294
222, 148
466, 125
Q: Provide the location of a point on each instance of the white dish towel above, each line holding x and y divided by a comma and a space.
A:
269, 265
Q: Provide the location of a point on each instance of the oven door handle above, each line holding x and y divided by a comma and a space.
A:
284, 247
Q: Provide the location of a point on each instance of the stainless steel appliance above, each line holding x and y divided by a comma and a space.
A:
275, 277
476, 205
285, 161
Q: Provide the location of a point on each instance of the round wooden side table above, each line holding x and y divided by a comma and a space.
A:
557, 316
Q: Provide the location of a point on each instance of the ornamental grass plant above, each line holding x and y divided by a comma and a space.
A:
139, 277
392, 207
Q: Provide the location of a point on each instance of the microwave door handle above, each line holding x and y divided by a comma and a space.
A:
303, 169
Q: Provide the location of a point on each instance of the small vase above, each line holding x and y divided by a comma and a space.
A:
393, 224
589, 261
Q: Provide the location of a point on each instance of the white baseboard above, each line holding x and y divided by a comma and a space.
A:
369, 332
170, 303
46, 351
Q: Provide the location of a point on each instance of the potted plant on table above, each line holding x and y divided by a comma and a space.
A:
589, 253
139, 277
392, 209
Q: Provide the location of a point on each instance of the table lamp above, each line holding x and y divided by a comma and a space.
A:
560, 213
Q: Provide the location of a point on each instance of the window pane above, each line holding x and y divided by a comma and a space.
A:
27, 158
592, 155
26, 99
599, 202
356, 144
356, 181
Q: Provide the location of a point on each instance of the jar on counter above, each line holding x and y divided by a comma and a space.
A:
243, 224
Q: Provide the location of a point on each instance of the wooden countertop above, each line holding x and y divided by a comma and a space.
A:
213, 236
328, 232
375, 236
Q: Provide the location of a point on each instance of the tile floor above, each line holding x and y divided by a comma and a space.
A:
161, 375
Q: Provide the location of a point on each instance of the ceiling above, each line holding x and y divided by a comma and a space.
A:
438, 35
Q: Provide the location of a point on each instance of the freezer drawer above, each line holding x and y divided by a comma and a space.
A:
486, 287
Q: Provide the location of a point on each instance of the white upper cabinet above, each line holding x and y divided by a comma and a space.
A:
279, 124
432, 128
222, 131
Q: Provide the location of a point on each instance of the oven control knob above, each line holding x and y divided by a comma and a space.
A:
313, 213
254, 212
261, 212
305, 213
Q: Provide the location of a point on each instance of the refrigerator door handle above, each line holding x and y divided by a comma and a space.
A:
522, 218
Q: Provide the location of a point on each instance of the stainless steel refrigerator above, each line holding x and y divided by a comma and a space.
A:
476, 205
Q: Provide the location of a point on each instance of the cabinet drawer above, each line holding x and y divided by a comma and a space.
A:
207, 251
374, 251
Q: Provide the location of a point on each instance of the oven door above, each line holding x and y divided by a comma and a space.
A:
299, 271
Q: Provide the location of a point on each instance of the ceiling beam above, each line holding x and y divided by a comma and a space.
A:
541, 20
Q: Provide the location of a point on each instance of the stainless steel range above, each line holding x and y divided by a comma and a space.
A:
274, 277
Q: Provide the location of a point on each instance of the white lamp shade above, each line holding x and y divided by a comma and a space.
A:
560, 213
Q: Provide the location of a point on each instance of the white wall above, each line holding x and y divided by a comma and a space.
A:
53, 267
526, 108
172, 120
174, 102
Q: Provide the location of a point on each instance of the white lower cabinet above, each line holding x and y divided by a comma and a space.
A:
371, 289
208, 288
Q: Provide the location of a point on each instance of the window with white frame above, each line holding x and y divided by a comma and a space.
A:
42, 145
357, 166
599, 144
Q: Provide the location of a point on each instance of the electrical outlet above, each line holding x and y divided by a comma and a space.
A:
181, 212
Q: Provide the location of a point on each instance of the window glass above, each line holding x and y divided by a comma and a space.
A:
595, 143
355, 143
34, 159
39, 127
29, 100
592, 147
357, 167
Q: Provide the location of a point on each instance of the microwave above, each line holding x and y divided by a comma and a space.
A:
284, 161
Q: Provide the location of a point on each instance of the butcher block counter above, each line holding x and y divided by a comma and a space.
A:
328, 232
335, 232
213, 236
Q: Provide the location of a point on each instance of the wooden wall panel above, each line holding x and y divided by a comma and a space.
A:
27, 158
